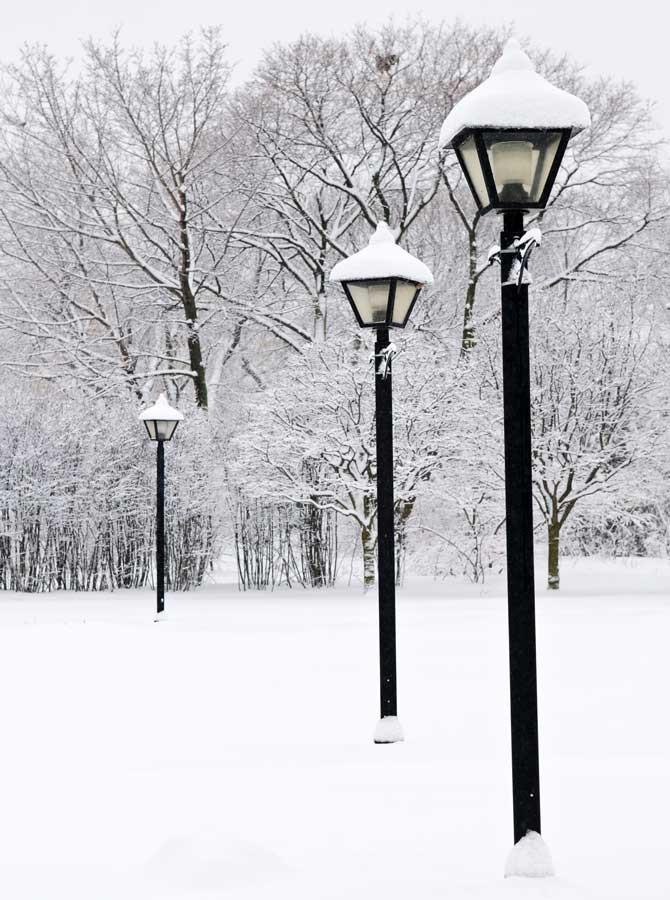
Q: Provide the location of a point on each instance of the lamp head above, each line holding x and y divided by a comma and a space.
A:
382, 282
161, 419
510, 134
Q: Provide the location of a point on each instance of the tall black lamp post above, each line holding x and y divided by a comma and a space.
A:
161, 422
382, 283
509, 135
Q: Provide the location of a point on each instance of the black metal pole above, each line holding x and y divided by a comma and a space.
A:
160, 527
385, 527
519, 527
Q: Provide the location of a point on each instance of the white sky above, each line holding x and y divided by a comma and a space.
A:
610, 37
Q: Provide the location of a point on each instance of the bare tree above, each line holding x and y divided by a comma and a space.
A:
592, 422
321, 412
112, 178
345, 131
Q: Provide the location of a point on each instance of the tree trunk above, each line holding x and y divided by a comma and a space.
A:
468, 337
195, 352
190, 308
554, 534
369, 562
319, 322
403, 512
311, 533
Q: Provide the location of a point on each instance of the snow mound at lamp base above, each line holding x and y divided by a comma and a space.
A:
529, 858
388, 731
160, 616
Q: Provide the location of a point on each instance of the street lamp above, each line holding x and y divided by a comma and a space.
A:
161, 422
509, 135
382, 283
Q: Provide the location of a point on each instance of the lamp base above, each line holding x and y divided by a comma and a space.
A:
388, 731
529, 858
160, 616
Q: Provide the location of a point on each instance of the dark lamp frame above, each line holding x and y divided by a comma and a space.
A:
484, 162
388, 323
155, 422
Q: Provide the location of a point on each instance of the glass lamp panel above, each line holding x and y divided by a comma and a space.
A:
371, 299
521, 162
470, 161
545, 160
405, 292
165, 428
150, 426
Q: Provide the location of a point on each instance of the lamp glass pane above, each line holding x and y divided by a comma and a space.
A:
165, 428
150, 426
545, 161
371, 299
405, 292
473, 166
521, 162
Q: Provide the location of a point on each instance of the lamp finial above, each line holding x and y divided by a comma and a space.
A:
382, 235
513, 59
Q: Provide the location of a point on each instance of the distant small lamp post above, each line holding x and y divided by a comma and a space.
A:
161, 422
382, 283
509, 135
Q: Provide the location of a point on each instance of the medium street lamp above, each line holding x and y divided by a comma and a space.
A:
509, 135
161, 422
382, 283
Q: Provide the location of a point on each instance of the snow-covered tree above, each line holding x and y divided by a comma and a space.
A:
158, 226
593, 377
78, 494
311, 438
111, 179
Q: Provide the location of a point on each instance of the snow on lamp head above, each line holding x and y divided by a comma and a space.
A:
510, 134
382, 281
161, 419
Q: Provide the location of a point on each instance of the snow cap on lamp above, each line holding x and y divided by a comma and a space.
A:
161, 419
382, 258
515, 96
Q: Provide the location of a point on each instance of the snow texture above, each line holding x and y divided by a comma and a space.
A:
382, 258
529, 858
515, 96
389, 731
227, 756
162, 411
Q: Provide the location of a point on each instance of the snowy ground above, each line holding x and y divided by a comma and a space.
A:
227, 751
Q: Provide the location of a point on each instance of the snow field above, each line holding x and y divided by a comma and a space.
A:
227, 751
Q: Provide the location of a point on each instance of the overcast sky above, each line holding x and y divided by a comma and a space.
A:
631, 44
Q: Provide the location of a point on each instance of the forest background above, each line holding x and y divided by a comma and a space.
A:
164, 230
